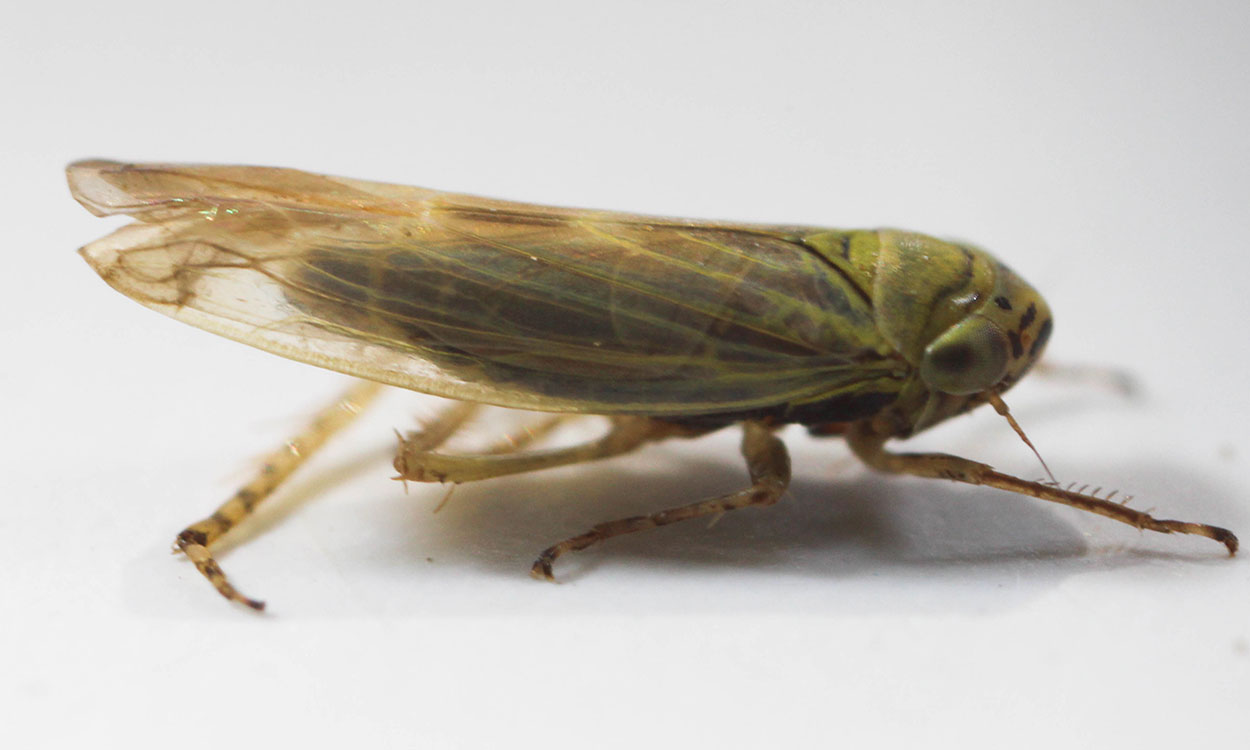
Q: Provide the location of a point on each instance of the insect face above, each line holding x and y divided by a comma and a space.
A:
994, 345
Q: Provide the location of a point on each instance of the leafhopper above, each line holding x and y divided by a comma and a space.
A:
668, 328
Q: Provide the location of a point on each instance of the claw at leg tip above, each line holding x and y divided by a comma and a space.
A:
541, 571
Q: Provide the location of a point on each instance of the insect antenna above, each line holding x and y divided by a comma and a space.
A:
1000, 406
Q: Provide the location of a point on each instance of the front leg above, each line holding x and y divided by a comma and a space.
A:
870, 448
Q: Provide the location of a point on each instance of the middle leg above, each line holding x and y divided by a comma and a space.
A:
417, 462
768, 463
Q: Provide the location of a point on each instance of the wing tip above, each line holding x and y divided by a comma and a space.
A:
90, 185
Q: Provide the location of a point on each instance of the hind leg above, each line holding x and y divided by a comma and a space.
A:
195, 540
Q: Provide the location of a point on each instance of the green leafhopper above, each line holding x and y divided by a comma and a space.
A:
669, 328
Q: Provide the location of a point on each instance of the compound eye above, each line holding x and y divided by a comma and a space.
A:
969, 358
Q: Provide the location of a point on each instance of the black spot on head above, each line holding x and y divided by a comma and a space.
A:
1029, 316
1042, 334
1003, 303
1017, 348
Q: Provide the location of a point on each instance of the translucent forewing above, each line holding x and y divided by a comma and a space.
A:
490, 301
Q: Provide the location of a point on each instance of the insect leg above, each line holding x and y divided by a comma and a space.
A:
194, 540
869, 446
528, 435
416, 462
768, 463
439, 430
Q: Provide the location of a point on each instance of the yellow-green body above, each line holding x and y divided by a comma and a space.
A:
569, 310
671, 328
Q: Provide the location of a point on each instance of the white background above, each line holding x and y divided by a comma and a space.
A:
1098, 147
